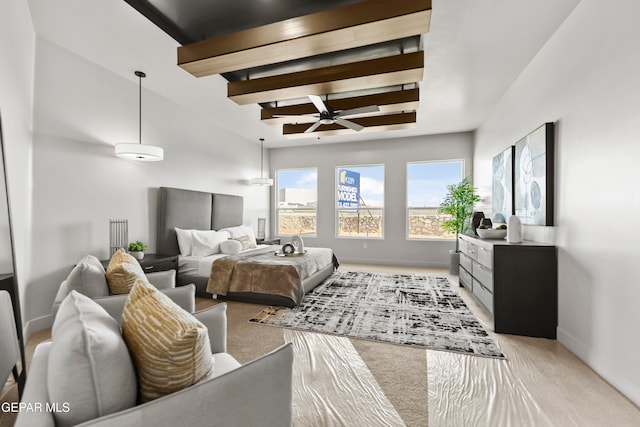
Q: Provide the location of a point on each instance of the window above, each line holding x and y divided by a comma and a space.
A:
426, 187
360, 201
296, 201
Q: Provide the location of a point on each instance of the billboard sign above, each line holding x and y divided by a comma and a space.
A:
348, 189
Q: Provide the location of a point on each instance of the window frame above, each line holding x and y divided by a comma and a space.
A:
408, 208
277, 207
336, 210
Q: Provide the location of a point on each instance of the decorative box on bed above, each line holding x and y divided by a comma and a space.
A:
253, 276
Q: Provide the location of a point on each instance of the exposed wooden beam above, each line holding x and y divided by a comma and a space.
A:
359, 24
372, 73
388, 102
371, 124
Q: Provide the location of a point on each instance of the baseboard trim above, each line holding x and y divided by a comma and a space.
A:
392, 262
625, 385
37, 324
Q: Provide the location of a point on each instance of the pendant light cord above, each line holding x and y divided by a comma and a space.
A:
261, 155
140, 75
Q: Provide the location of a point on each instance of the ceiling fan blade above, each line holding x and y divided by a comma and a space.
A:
361, 110
349, 124
313, 127
319, 103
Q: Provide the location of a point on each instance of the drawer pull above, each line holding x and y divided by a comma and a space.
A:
150, 267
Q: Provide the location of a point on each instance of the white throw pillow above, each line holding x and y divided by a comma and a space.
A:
207, 242
241, 230
185, 239
230, 247
89, 366
88, 277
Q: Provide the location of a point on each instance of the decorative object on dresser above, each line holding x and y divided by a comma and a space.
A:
516, 283
514, 229
476, 220
458, 203
422, 311
534, 179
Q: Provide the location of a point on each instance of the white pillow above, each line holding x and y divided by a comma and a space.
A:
241, 230
230, 247
185, 239
89, 366
207, 242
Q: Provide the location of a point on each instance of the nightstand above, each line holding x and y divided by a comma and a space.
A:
155, 262
274, 241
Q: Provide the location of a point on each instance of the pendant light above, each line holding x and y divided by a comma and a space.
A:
262, 180
133, 151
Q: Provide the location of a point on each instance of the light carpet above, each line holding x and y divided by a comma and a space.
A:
403, 309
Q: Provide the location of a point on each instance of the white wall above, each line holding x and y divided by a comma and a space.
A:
394, 154
81, 110
586, 80
17, 50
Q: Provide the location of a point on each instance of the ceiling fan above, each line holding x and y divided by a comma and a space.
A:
329, 116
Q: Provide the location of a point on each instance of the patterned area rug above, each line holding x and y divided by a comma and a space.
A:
403, 309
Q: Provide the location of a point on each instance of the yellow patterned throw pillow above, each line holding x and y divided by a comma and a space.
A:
169, 347
122, 272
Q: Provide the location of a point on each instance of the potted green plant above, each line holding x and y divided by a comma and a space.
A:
137, 249
458, 204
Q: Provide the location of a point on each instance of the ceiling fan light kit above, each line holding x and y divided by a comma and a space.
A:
371, 47
133, 151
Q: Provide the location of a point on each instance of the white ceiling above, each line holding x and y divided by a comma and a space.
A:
474, 51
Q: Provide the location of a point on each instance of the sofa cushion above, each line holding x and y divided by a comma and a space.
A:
170, 348
88, 278
89, 366
122, 272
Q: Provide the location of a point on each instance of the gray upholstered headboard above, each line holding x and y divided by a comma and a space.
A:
190, 209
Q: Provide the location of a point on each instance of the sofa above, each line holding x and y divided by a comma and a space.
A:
257, 393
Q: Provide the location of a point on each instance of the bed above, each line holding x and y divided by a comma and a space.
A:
248, 282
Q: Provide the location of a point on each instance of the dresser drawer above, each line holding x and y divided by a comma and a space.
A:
485, 256
465, 279
483, 295
483, 274
466, 262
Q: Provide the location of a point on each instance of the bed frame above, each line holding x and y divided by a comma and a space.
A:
189, 209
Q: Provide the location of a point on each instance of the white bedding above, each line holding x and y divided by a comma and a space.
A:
201, 266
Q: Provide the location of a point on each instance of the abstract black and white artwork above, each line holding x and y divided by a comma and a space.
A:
406, 309
534, 163
502, 186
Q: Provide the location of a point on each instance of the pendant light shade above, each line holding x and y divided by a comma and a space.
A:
262, 180
133, 151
